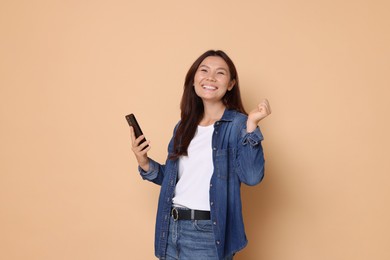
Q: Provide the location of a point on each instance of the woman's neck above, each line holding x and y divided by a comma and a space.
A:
212, 113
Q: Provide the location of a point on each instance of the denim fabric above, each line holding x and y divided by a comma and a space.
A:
238, 158
191, 240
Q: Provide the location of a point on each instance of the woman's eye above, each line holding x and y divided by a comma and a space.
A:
221, 73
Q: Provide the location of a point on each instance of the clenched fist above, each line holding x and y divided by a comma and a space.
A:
262, 110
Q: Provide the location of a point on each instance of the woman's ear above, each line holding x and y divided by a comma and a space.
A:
231, 84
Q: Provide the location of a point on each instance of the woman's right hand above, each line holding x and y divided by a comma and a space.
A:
139, 151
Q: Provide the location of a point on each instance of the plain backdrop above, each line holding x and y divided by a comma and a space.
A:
71, 70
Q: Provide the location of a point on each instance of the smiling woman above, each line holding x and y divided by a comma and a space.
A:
215, 147
192, 106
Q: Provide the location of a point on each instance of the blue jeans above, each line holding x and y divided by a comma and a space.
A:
191, 240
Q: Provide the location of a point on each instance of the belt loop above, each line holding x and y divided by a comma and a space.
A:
192, 214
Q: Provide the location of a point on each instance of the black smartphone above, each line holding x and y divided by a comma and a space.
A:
137, 129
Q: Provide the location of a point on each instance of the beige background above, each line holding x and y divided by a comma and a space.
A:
71, 70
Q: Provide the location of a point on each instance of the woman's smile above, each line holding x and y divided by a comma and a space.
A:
209, 87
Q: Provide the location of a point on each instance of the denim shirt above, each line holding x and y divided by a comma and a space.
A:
238, 158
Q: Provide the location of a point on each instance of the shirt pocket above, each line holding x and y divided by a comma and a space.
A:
224, 163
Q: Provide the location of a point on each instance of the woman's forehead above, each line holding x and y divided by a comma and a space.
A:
215, 62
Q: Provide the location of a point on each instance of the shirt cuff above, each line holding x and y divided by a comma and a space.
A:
152, 172
253, 138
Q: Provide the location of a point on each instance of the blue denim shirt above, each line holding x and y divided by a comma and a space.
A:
238, 158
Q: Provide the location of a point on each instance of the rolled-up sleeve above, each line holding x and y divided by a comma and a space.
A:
152, 172
155, 173
253, 138
156, 170
250, 157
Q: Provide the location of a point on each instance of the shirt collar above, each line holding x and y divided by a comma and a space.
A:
228, 115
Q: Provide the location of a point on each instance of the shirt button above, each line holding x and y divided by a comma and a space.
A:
214, 148
211, 203
215, 223
216, 132
211, 185
218, 242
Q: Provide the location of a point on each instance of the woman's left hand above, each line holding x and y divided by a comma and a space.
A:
256, 115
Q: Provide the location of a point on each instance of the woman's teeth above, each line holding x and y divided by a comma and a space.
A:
209, 87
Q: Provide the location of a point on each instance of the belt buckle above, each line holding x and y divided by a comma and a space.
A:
175, 214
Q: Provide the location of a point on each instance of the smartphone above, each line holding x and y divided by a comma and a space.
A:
137, 129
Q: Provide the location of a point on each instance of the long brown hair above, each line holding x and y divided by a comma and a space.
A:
191, 105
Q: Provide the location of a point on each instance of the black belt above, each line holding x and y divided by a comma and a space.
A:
189, 214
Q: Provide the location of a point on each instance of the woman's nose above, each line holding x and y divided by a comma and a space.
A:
211, 77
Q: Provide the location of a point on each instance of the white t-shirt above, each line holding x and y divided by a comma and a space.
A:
195, 171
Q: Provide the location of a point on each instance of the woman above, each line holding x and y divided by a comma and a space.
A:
215, 147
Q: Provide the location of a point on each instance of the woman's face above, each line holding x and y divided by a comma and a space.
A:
212, 79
